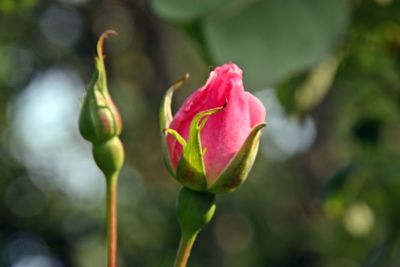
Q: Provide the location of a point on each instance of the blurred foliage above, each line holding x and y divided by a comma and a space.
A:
269, 39
331, 203
9, 6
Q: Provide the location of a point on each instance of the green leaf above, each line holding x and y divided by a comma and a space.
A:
239, 167
317, 84
184, 10
272, 39
191, 170
337, 183
165, 118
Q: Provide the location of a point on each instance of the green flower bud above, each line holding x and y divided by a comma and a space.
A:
99, 119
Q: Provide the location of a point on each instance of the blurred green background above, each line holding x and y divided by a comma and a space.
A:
324, 191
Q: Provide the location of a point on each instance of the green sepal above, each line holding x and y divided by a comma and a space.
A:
177, 136
191, 171
166, 117
99, 119
237, 170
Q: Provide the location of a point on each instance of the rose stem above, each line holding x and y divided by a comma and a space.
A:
112, 220
185, 247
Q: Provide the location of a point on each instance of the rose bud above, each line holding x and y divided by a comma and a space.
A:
99, 121
211, 143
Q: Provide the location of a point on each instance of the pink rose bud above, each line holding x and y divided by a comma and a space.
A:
211, 142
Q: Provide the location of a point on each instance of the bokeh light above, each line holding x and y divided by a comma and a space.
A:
44, 136
61, 25
359, 219
28, 250
284, 136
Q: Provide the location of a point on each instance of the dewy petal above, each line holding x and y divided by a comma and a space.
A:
256, 109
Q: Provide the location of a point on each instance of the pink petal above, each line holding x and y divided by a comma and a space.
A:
256, 109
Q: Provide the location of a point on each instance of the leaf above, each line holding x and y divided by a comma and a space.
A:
272, 39
338, 181
239, 167
317, 84
184, 10
303, 92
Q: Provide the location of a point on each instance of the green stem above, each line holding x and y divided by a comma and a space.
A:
185, 247
112, 220
194, 210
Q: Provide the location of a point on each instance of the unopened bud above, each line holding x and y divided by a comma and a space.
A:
99, 119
